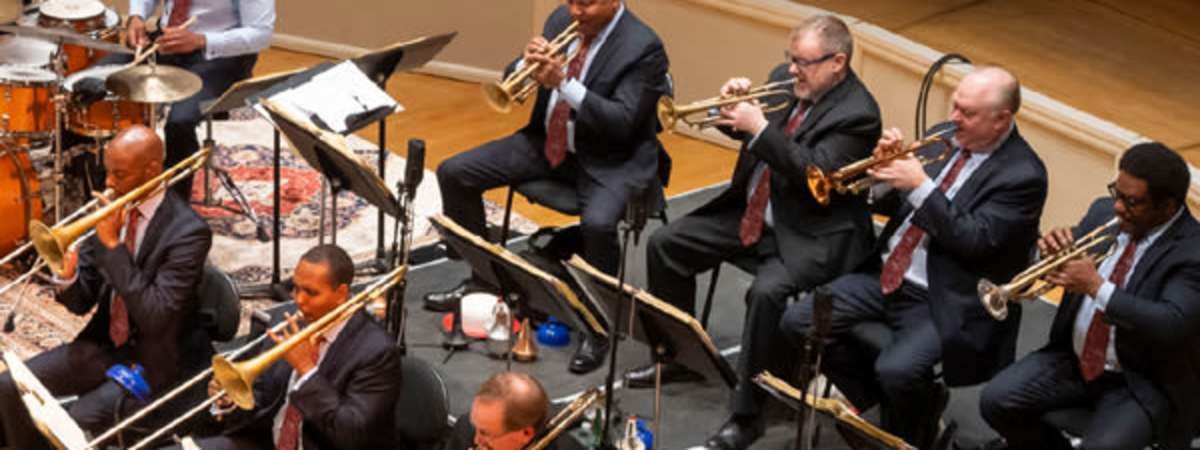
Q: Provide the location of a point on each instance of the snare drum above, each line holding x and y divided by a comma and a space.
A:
25, 51
106, 117
20, 197
26, 110
89, 17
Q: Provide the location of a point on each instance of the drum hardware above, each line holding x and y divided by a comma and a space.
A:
669, 113
517, 87
1031, 283
853, 179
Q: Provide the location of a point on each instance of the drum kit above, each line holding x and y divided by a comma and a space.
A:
50, 68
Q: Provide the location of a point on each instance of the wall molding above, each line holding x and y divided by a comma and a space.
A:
344, 51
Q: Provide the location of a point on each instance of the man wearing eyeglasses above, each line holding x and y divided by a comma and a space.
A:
1125, 340
592, 128
767, 222
969, 216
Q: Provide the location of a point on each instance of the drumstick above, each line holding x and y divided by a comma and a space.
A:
140, 56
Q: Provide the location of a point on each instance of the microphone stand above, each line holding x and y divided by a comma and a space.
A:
635, 221
814, 347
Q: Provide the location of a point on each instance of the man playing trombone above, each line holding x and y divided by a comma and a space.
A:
970, 216
767, 221
592, 127
140, 272
336, 391
1124, 342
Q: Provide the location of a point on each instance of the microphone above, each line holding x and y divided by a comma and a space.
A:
414, 168
822, 316
636, 211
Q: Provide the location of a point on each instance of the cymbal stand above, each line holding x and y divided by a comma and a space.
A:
59, 65
222, 175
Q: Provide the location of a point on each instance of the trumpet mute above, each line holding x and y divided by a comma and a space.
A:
525, 350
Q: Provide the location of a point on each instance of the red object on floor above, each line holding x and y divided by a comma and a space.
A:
448, 324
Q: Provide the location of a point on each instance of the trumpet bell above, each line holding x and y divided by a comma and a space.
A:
666, 113
994, 299
48, 245
237, 379
818, 185
498, 98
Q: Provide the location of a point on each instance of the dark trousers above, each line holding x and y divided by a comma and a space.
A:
76, 368
699, 242
223, 443
1015, 400
518, 158
901, 373
180, 127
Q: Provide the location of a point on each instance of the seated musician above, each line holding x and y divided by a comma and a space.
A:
593, 127
1125, 342
221, 47
139, 273
335, 392
767, 220
509, 410
970, 216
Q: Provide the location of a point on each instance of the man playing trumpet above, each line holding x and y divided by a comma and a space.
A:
140, 273
593, 127
973, 215
334, 392
767, 222
1125, 340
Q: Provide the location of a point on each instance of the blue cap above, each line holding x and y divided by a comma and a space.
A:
131, 379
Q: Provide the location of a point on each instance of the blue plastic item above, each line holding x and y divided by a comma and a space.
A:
645, 434
131, 379
553, 333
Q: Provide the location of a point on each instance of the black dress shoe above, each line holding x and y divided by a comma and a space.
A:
736, 434
590, 355
643, 377
446, 301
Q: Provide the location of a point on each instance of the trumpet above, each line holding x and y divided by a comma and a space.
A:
850, 178
517, 87
237, 379
669, 113
1025, 285
52, 243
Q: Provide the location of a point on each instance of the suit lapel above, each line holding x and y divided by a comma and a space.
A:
154, 229
826, 104
611, 45
1182, 228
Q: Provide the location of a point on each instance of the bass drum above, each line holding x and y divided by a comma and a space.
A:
20, 197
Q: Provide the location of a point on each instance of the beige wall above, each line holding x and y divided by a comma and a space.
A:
711, 40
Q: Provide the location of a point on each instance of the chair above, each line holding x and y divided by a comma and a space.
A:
1073, 422
563, 198
422, 407
220, 305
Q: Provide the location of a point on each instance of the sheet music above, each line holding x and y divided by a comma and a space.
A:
335, 97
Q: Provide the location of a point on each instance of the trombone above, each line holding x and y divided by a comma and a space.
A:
237, 379
517, 87
52, 243
1025, 285
669, 113
850, 178
28, 245
565, 418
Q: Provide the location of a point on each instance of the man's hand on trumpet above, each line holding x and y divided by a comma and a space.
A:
904, 173
741, 116
1078, 275
549, 72
302, 357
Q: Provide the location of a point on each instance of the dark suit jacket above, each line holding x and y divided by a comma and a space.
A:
159, 286
615, 127
348, 404
841, 128
987, 231
1157, 316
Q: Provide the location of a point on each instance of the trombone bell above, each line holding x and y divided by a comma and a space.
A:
48, 245
237, 379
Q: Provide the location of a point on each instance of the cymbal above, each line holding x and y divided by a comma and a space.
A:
154, 84
64, 36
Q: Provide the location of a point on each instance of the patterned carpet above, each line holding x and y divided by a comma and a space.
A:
245, 150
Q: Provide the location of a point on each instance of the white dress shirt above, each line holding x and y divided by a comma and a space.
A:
230, 27
1083, 320
294, 384
573, 91
917, 273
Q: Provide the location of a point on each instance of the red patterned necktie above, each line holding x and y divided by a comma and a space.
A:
756, 209
118, 315
179, 12
289, 430
1095, 345
901, 257
556, 135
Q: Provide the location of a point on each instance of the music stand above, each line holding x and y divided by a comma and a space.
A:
49, 417
857, 432
513, 274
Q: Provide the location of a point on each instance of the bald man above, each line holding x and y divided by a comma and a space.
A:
510, 409
974, 215
139, 273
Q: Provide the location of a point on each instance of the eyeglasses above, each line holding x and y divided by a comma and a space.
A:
582, 3
1130, 202
804, 63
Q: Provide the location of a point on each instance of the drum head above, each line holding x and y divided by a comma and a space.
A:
72, 9
102, 72
25, 51
11, 73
